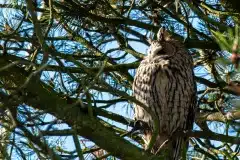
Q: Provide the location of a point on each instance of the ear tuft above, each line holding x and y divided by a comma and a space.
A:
160, 34
149, 41
163, 35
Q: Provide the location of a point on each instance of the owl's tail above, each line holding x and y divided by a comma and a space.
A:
178, 148
170, 148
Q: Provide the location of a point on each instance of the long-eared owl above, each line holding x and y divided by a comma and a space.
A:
164, 82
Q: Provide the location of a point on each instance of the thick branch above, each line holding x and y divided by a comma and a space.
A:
219, 117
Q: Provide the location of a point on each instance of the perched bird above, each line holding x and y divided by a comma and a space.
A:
164, 82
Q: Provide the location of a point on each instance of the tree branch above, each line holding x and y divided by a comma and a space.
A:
45, 98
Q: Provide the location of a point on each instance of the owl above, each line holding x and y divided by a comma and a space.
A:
164, 82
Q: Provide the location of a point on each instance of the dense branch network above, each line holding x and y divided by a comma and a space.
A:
74, 61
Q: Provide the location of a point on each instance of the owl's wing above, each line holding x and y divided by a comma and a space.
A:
143, 87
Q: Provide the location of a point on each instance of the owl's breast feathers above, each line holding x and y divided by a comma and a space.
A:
166, 85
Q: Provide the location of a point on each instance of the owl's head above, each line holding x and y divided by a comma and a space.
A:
161, 45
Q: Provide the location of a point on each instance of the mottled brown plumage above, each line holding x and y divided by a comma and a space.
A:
164, 82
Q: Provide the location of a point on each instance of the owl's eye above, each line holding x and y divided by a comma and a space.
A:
161, 52
158, 51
